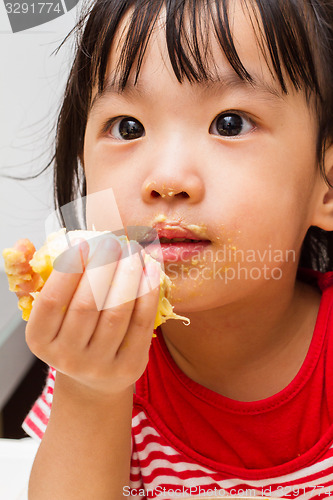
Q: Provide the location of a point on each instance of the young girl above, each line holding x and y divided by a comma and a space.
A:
218, 115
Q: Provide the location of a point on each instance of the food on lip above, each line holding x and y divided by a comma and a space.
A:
176, 230
28, 270
174, 240
160, 222
174, 233
160, 218
198, 230
191, 232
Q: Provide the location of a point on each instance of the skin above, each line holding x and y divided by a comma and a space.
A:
262, 187
245, 194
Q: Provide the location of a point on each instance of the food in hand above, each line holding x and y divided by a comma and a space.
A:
28, 270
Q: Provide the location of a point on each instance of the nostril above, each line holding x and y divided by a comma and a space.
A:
182, 194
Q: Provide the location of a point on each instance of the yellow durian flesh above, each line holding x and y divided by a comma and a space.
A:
43, 259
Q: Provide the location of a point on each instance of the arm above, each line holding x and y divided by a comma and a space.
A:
85, 452
99, 355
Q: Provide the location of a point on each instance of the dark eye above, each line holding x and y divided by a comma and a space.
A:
230, 125
127, 128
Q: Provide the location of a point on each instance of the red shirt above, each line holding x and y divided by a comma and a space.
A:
250, 435
189, 440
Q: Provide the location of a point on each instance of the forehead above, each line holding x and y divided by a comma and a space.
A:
200, 46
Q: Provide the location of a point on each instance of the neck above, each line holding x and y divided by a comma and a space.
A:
251, 349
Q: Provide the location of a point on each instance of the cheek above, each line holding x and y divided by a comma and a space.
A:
110, 198
266, 203
102, 165
272, 211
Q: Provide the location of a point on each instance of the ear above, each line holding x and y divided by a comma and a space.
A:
323, 216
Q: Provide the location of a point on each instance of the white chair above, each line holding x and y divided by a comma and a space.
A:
16, 459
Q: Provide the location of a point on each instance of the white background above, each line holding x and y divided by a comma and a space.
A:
32, 81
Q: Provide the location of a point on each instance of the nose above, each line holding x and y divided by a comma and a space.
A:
176, 175
154, 190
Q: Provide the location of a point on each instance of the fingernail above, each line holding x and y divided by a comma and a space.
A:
107, 251
109, 243
72, 260
131, 248
135, 247
153, 271
83, 248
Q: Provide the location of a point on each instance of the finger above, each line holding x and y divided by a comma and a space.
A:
84, 310
51, 304
117, 310
137, 340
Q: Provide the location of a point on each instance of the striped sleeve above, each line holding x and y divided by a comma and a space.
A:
36, 422
37, 419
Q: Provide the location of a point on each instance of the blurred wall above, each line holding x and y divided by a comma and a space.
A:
31, 85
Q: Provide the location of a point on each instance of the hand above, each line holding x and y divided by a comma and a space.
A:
104, 350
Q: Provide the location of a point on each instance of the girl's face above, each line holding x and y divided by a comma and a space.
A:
237, 160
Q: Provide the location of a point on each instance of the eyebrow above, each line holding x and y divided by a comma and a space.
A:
211, 88
233, 81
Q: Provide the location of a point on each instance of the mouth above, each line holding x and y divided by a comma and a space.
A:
178, 249
175, 241
172, 233
163, 241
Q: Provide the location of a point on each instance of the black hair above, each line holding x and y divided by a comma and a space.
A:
296, 38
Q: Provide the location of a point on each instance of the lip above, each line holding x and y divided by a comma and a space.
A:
170, 230
177, 232
182, 251
177, 251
